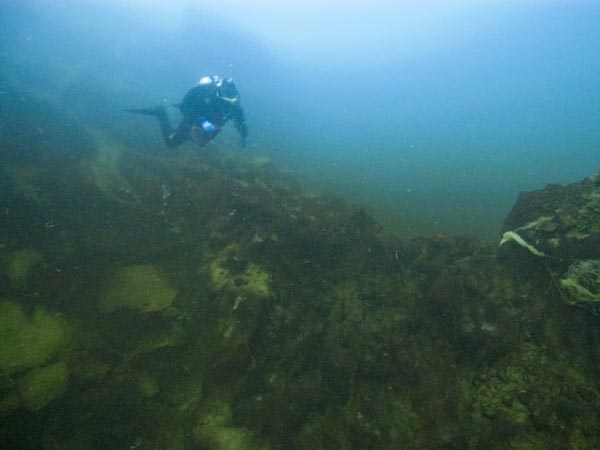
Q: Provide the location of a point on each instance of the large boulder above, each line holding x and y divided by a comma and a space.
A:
560, 226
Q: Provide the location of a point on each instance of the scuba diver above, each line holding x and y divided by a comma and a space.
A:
205, 109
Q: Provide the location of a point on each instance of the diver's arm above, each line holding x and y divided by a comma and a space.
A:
239, 121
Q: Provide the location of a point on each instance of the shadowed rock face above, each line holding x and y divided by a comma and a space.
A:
562, 221
207, 302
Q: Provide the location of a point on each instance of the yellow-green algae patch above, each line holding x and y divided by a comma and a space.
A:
139, 287
43, 385
21, 263
28, 342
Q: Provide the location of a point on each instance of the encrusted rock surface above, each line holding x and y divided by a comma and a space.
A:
207, 302
561, 226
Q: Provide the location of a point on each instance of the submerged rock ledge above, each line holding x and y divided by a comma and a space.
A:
280, 319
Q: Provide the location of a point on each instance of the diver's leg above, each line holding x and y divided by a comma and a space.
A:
152, 111
172, 138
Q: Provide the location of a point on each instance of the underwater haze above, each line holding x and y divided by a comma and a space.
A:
433, 115
339, 281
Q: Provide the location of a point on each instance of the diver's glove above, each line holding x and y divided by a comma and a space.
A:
243, 141
208, 126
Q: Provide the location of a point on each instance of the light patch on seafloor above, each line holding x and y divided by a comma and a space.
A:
251, 279
139, 287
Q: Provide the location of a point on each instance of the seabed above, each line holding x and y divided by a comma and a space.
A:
206, 302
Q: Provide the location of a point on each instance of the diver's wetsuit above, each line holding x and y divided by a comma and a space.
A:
201, 104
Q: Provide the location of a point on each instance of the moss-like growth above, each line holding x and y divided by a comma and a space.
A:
28, 342
147, 386
9, 402
43, 385
214, 430
138, 287
581, 284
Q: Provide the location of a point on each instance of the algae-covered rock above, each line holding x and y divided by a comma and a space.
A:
21, 263
147, 386
560, 222
214, 430
27, 342
91, 370
185, 394
43, 385
530, 398
9, 401
232, 271
560, 225
138, 287
378, 414
375, 343
581, 285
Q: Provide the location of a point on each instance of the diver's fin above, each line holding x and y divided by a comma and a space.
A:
152, 111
